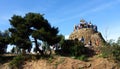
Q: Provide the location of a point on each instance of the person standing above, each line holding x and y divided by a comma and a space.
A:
75, 27
90, 43
82, 39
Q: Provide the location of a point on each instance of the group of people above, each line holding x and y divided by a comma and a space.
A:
82, 40
89, 44
85, 25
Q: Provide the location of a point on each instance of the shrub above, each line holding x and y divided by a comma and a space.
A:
17, 61
106, 51
74, 48
71, 47
112, 51
116, 53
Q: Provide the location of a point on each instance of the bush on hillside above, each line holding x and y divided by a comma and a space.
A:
116, 53
106, 51
111, 50
16, 62
74, 48
70, 47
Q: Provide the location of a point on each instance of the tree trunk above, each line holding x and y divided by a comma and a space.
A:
37, 47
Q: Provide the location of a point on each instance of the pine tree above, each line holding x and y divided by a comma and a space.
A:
35, 25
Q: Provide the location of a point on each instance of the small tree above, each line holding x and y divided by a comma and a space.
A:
118, 41
111, 50
19, 32
4, 41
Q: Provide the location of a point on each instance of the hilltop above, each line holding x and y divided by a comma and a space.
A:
89, 35
89, 32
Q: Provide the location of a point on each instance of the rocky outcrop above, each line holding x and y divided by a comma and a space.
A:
89, 35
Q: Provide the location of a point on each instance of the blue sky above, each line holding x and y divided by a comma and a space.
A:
64, 14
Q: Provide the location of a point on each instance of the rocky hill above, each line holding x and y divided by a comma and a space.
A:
89, 35
89, 32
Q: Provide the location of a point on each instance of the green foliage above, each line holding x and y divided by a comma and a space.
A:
41, 29
35, 25
116, 53
17, 61
106, 51
73, 48
118, 41
4, 41
111, 50
82, 57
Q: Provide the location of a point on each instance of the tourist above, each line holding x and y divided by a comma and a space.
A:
82, 25
91, 26
86, 25
75, 27
82, 39
90, 43
95, 28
